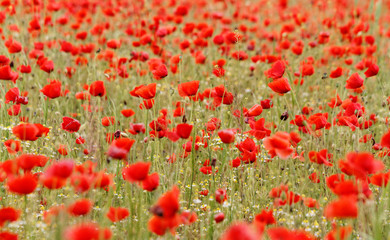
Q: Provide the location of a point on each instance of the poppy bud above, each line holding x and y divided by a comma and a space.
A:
219, 217
86, 152
284, 116
213, 162
117, 134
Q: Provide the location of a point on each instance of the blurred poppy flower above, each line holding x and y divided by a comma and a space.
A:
117, 214
22, 185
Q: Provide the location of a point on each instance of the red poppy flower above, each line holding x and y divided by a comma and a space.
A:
80, 140
22, 185
360, 164
240, 231
220, 195
165, 213
119, 148
66, 47
321, 157
13, 46
62, 149
4, 235
336, 73
184, 130
61, 169
52, 182
80, 207
265, 217
188, 217
380, 179
219, 71
188, 89
314, 178
87, 231
344, 207
97, 89
151, 182
279, 144
310, 203
26, 131
108, 121
13, 95
280, 85
82, 182
8, 214
354, 81
319, 120
248, 150
13, 146
117, 214
136, 172
254, 111
372, 70
127, 112
28, 161
145, 91
281, 233
160, 72
258, 130
114, 44
137, 128
70, 124
46, 65
52, 90
7, 74
227, 135
385, 140
276, 71
169, 202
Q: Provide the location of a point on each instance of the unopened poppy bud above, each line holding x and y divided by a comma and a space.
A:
117, 134
219, 217
213, 162
284, 116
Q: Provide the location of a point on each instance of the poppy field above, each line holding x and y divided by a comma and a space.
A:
206, 119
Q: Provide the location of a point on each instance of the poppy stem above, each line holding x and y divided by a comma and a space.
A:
192, 164
223, 159
26, 226
46, 110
